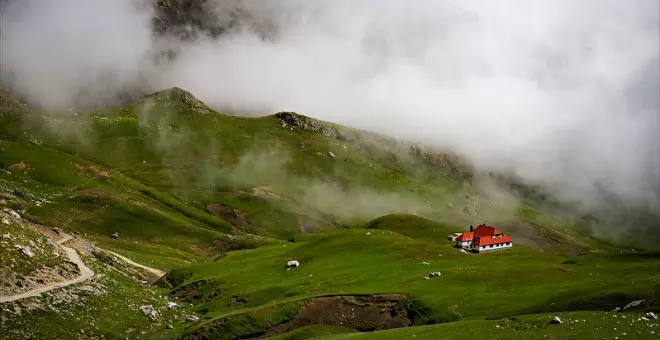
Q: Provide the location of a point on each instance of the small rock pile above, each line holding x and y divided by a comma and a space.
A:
150, 312
555, 320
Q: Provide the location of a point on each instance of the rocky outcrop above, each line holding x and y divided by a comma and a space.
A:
176, 95
450, 164
310, 124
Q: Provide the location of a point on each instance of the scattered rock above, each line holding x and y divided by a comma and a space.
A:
172, 305
150, 312
192, 318
25, 250
616, 309
114, 236
18, 193
425, 263
633, 304
5, 221
14, 214
292, 264
331, 154
651, 315
170, 327
309, 124
555, 320
57, 230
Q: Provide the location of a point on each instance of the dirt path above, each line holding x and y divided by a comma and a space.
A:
154, 271
85, 274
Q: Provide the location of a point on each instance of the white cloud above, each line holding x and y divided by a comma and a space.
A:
550, 89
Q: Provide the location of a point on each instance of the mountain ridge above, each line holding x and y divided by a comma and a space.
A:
222, 202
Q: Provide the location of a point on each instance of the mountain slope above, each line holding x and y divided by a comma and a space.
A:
223, 202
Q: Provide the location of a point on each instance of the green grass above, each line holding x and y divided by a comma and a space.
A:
471, 285
223, 202
107, 306
575, 325
172, 149
413, 227
310, 332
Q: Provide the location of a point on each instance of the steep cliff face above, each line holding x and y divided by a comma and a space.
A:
191, 19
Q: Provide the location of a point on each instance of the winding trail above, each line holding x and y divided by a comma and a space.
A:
85, 274
154, 271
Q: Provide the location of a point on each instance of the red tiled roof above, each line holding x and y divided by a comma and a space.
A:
484, 230
466, 236
489, 240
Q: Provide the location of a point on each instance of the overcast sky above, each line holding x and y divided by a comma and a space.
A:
563, 92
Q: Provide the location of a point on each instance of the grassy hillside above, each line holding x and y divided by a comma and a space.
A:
367, 261
223, 202
276, 176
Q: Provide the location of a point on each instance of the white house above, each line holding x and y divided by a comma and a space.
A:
484, 238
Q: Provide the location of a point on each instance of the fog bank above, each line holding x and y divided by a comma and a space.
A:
563, 93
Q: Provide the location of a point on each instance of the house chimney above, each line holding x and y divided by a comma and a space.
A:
471, 227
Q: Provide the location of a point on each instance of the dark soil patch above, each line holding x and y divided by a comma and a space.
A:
237, 301
363, 313
233, 216
200, 292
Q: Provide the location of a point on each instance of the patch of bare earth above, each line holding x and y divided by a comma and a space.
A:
234, 216
262, 191
197, 292
92, 170
20, 166
363, 313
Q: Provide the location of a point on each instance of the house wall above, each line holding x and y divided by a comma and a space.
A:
464, 244
494, 247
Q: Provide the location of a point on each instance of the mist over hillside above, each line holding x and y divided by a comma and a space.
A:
563, 94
